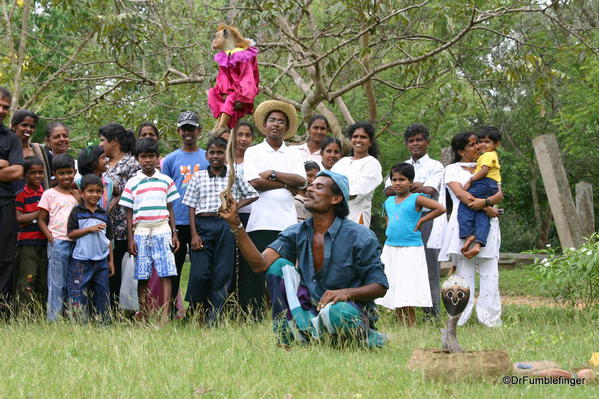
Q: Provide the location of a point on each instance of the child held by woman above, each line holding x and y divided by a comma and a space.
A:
475, 225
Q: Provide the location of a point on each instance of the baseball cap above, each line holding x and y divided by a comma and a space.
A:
188, 118
340, 180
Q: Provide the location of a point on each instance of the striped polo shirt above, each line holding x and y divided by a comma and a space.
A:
148, 197
26, 202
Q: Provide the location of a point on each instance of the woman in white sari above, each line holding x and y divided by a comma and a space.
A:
445, 234
363, 170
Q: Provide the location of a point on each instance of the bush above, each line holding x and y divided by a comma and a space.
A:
571, 276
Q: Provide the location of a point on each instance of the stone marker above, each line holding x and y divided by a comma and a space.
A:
585, 209
558, 190
446, 156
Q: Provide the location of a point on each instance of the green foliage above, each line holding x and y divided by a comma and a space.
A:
150, 60
572, 275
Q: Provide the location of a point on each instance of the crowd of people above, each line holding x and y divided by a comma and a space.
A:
297, 232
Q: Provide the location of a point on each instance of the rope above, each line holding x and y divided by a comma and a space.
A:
226, 197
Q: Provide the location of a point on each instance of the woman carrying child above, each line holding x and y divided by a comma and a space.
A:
446, 235
403, 253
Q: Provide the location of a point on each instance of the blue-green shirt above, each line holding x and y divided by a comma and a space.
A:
403, 218
352, 256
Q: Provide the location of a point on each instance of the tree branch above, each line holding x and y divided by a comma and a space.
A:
268, 91
363, 32
48, 81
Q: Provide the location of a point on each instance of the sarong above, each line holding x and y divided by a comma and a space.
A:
295, 318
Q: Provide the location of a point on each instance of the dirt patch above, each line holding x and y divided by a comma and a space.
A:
533, 301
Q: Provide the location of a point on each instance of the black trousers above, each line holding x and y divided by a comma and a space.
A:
212, 267
252, 286
8, 248
434, 270
239, 260
184, 234
118, 252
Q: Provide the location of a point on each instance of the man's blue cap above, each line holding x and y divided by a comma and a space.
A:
341, 181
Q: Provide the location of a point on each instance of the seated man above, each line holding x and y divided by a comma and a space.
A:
338, 274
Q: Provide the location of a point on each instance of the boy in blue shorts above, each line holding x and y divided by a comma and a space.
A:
91, 263
149, 197
474, 225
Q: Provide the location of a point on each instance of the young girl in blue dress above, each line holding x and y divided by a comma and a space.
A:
403, 253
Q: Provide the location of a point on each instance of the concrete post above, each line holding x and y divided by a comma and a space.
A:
446, 156
585, 209
557, 189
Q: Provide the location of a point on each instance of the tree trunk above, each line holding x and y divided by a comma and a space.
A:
16, 94
368, 85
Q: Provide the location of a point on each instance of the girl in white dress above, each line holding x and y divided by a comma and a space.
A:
403, 253
445, 234
363, 171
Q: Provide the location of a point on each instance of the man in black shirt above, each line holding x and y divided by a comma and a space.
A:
11, 169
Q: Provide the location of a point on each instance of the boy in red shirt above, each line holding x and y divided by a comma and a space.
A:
32, 259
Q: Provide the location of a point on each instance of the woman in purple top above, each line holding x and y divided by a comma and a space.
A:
118, 146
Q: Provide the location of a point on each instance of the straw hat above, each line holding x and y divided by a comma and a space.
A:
273, 105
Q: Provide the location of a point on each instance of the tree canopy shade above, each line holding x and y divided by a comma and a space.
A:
529, 67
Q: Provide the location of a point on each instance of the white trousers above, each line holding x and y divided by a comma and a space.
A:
488, 307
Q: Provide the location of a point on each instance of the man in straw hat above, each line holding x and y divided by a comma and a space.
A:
338, 274
273, 169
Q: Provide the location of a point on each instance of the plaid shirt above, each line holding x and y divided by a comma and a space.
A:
205, 187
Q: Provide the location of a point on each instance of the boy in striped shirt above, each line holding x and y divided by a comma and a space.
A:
148, 197
32, 259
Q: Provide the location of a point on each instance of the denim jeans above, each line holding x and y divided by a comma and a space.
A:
88, 279
59, 253
473, 222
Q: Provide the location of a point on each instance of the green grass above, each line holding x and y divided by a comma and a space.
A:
519, 282
242, 361
127, 360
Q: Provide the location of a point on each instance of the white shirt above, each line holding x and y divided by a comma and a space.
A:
307, 155
274, 209
445, 235
427, 171
247, 208
364, 177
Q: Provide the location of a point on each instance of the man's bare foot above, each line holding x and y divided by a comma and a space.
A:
467, 244
472, 252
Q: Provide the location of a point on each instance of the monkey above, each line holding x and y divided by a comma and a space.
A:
237, 82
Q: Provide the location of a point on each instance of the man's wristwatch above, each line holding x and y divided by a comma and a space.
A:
487, 203
236, 229
273, 176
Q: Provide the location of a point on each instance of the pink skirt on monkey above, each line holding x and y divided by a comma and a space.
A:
237, 82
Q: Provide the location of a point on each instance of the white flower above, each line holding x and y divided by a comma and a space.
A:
548, 245
545, 262
589, 252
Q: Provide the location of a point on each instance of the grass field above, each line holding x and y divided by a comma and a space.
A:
235, 360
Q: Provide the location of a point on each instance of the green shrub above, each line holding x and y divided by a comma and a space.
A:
571, 275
